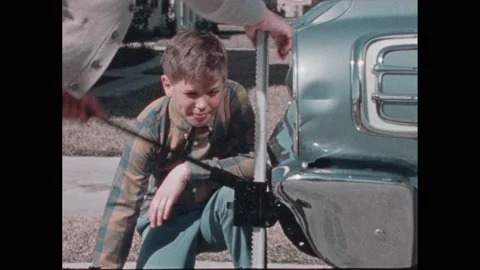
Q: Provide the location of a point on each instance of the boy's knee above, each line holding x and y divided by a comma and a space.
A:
224, 200
225, 194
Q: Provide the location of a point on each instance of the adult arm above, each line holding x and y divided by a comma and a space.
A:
252, 14
92, 32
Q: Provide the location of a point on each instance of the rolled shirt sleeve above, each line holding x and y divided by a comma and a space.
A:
93, 31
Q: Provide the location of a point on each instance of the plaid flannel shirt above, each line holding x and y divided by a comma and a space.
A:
227, 143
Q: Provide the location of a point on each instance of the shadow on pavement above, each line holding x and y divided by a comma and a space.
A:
241, 69
229, 34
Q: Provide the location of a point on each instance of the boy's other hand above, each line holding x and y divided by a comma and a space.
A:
79, 109
167, 194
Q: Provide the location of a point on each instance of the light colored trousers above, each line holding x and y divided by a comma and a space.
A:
206, 227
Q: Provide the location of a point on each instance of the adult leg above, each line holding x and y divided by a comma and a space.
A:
172, 245
218, 232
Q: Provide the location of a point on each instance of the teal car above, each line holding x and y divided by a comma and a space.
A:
344, 156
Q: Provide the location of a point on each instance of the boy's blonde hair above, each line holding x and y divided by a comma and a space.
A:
196, 57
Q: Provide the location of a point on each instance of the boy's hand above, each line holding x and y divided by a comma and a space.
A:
167, 194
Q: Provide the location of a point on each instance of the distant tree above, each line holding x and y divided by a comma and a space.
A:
138, 30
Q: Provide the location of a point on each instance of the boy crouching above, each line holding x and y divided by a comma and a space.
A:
173, 204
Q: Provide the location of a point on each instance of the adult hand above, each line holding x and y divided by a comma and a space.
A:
79, 108
279, 30
167, 194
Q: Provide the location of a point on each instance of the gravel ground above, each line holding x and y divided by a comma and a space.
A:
98, 139
79, 235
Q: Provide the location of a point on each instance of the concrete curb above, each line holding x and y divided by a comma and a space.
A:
208, 264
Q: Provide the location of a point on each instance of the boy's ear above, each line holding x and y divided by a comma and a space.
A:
167, 86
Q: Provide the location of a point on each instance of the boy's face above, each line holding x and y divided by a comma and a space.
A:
196, 103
